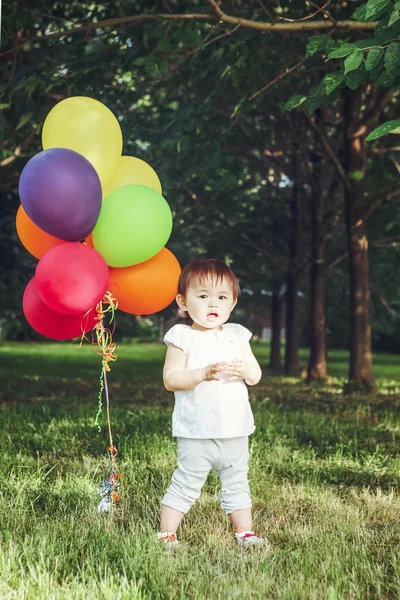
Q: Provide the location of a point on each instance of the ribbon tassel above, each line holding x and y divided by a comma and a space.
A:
104, 335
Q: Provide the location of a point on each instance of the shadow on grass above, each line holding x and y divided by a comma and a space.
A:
340, 476
75, 362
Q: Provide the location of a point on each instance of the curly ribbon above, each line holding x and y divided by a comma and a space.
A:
107, 306
100, 400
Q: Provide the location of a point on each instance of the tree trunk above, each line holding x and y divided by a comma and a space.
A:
275, 353
317, 368
291, 354
292, 344
317, 361
360, 371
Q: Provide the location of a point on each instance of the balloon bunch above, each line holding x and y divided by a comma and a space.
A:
98, 223
81, 188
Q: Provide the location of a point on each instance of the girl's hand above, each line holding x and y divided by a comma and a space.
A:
237, 369
211, 373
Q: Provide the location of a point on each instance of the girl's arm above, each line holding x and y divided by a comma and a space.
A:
176, 379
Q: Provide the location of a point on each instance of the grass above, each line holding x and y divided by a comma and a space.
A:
324, 475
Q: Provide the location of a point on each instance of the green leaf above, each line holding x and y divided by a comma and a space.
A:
380, 32
395, 14
163, 43
163, 65
31, 85
295, 101
392, 57
317, 43
357, 175
237, 108
24, 120
226, 72
140, 61
311, 104
353, 79
353, 61
344, 50
333, 97
384, 79
369, 43
373, 58
374, 74
4, 153
332, 80
360, 14
191, 38
4, 106
384, 129
374, 8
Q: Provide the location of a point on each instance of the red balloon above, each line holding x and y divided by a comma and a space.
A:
72, 278
50, 323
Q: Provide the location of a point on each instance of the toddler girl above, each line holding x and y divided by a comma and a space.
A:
207, 365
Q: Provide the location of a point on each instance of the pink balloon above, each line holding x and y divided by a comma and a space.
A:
50, 323
72, 278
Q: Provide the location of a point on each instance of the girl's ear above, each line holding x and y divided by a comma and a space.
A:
181, 302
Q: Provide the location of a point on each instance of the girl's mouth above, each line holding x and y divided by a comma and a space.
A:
211, 316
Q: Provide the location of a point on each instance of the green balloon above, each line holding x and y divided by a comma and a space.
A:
134, 224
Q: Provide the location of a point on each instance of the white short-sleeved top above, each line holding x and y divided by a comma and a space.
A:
212, 409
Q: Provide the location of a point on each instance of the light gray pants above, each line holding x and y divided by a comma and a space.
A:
228, 457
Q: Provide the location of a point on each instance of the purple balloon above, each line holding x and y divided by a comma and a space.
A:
61, 193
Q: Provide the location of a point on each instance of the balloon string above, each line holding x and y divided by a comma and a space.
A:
114, 475
105, 369
107, 306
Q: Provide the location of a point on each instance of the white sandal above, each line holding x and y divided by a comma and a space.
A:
247, 539
169, 539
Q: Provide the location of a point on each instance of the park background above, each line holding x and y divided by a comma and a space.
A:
255, 116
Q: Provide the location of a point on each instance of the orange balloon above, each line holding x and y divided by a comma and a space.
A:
89, 240
148, 287
35, 240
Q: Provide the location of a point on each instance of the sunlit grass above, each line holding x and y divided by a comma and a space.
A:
324, 474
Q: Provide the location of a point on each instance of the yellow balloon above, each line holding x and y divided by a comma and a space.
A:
132, 170
88, 127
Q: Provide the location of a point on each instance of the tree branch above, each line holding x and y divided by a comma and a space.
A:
303, 26
216, 9
321, 8
371, 117
220, 16
326, 12
385, 303
207, 43
266, 11
326, 144
386, 150
18, 150
377, 244
281, 76
390, 242
376, 200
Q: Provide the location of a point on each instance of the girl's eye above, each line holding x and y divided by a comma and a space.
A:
203, 296
222, 297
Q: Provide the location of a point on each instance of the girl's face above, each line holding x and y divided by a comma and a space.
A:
209, 303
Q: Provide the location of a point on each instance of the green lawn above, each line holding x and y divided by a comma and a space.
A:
324, 474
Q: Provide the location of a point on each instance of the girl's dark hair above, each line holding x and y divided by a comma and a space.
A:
198, 271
